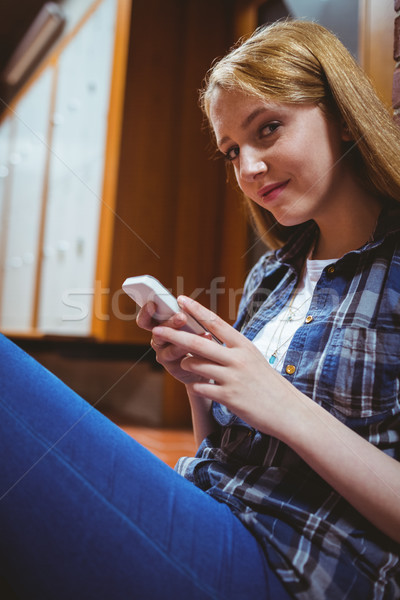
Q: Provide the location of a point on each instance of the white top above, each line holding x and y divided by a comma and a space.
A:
274, 338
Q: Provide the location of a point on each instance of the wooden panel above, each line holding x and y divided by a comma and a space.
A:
171, 193
234, 253
376, 44
202, 179
145, 209
201, 227
112, 158
246, 16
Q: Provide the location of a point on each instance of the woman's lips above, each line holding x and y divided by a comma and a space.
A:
272, 191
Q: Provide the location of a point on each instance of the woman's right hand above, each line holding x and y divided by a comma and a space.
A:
168, 355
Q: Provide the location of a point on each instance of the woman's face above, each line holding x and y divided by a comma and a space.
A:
286, 157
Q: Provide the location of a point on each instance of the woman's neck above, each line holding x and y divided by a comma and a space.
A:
349, 230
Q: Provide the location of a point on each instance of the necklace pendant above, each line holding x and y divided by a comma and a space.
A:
272, 359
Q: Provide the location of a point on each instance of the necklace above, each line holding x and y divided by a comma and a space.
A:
289, 316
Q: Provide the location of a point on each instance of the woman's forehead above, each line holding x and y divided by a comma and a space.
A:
223, 99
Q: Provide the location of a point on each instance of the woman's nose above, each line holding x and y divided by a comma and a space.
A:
251, 164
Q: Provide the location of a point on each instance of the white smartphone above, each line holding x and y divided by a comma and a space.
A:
146, 288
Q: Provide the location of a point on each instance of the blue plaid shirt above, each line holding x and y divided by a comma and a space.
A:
347, 359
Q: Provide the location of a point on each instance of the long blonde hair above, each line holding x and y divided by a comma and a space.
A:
302, 62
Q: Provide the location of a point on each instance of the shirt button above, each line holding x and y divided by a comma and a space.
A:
309, 318
331, 270
290, 369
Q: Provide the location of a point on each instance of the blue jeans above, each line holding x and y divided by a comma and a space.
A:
87, 513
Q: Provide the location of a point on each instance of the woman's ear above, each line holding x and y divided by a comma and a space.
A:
346, 135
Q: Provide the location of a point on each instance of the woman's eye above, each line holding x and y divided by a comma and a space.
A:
269, 128
232, 153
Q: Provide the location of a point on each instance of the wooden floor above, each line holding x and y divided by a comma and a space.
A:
167, 444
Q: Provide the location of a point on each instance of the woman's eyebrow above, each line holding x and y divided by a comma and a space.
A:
253, 115
246, 122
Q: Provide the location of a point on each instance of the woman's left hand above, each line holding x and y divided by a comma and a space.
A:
236, 375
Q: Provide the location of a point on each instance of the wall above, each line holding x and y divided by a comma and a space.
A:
173, 216
340, 16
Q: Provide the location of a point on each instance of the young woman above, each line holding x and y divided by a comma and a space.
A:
297, 478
